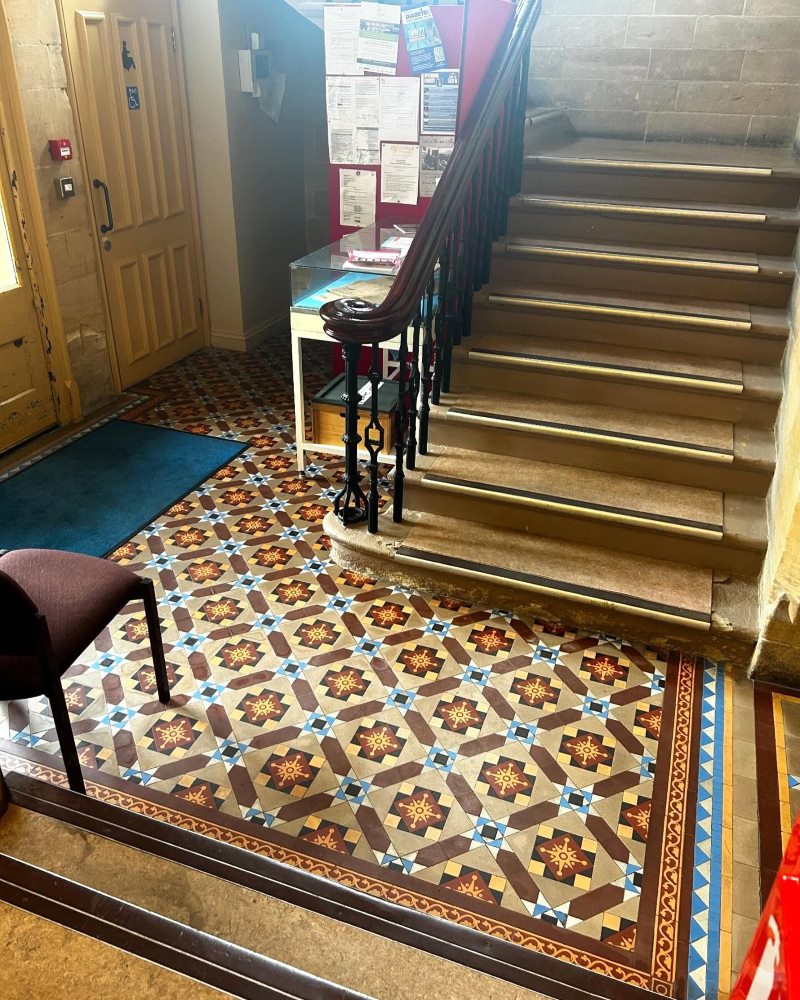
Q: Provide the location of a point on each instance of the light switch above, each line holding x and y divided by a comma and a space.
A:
65, 187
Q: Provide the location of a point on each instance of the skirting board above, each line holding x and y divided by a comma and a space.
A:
248, 340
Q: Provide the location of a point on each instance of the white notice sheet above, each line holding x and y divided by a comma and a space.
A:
399, 109
353, 119
378, 38
341, 39
399, 173
357, 189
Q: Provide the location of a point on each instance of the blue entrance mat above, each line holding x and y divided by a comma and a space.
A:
95, 493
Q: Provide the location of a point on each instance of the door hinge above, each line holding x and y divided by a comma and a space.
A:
202, 311
174, 41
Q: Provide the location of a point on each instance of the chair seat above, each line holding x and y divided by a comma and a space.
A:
77, 594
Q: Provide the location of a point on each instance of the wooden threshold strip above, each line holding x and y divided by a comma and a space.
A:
556, 588
623, 515
625, 440
629, 372
632, 313
219, 964
460, 944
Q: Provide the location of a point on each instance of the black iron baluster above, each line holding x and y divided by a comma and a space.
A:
442, 324
453, 299
413, 410
522, 106
484, 216
374, 439
507, 166
473, 242
400, 420
427, 357
350, 505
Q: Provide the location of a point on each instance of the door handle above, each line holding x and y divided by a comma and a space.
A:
105, 228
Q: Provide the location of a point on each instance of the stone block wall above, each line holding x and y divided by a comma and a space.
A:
36, 40
688, 70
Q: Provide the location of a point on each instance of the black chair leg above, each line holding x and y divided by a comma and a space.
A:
156, 645
66, 739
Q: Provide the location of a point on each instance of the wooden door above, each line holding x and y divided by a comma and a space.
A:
26, 398
124, 57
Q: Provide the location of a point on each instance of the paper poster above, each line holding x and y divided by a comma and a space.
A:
378, 38
423, 41
341, 39
399, 109
399, 173
439, 102
353, 117
434, 155
357, 189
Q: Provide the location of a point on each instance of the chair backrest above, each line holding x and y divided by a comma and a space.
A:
19, 620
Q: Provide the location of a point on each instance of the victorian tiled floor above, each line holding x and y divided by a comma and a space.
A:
570, 792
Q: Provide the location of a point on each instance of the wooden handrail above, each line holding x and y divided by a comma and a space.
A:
355, 321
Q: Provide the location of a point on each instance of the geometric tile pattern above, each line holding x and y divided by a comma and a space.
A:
522, 772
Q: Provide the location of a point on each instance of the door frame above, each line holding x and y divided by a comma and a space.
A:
30, 217
93, 206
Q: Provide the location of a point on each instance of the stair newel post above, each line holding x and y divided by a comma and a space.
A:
374, 439
350, 505
427, 357
400, 422
442, 323
413, 393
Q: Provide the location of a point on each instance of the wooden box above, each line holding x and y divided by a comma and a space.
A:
327, 412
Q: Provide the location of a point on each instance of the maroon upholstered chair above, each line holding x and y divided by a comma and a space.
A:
52, 606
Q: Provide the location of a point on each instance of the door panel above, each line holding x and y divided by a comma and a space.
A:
126, 68
26, 398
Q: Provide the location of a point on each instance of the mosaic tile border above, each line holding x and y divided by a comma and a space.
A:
661, 971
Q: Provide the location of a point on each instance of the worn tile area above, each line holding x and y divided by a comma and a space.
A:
556, 788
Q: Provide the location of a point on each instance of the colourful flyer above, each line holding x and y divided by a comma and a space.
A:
423, 41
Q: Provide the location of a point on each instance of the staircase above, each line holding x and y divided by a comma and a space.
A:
607, 446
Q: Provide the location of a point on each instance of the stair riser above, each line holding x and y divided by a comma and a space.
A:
754, 289
569, 526
567, 450
648, 396
652, 185
753, 237
703, 343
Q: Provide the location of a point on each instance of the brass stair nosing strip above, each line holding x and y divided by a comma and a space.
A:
563, 504
650, 165
660, 211
623, 312
675, 263
609, 371
554, 588
584, 434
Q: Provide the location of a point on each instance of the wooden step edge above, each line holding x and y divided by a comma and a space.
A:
704, 453
687, 617
569, 505
648, 166
650, 211
512, 248
159, 939
618, 372
630, 313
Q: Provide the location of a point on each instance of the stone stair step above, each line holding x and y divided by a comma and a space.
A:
584, 574
683, 172
682, 523
755, 279
752, 228
675, 448
621, 376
